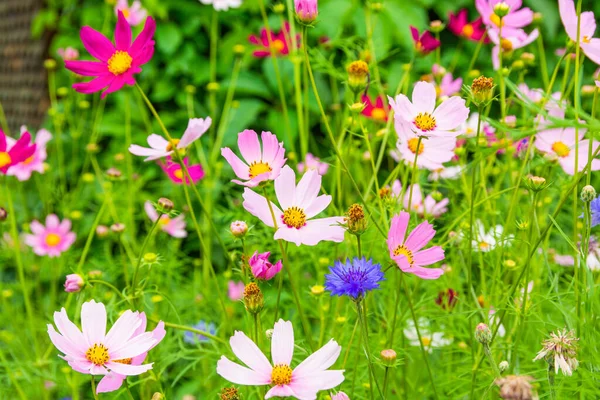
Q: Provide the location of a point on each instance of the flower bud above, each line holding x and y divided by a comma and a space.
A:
483, 334
357, 108
538, 17
510, 121
528, 59
317, 290
306, 11
92, 148
518, 65
535, 183
239, 49
474, 73
190, 89
588, 193
101, 231
358, 75
164, 205
501, 9
229, 394
157, 396
213, 86
3, 214
238, 229
482, 90
388, 356
503, 366
253, 298
73, 283
385, 193
117, 227
355, 220
436, 26
62, 91
95, 273
50, 64
150, 258
279, 8
113, 173
340, 396
84, 104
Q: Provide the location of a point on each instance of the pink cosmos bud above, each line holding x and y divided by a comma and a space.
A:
483, 334
306, 11
340, 396
238, 228
262, 268
74, 283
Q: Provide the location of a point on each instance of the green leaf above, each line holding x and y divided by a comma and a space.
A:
170, 38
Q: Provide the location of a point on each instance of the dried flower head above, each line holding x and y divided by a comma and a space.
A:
355, 219
560, 351
515, 387
358, 75
482, 90
253, 298
230, 393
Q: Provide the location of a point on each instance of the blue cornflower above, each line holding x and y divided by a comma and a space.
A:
595, 208
195, 338
354, 278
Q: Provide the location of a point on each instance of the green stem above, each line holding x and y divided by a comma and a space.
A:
134, 281
360, 309
414, 174
197, 331
90, 238
11, 377
93, 381
488, 353
129, 165
3, 122
472, 209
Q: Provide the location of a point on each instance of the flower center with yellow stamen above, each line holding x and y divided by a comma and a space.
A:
483, 245
506, 45
586, 39
125, 12
178, 174
124, 361
257, 168
402, 250
5, 159
496, 20
172, 144
468, 30
561, 149
426, 341
28, 161
281, 375
119, 62
294, 217
425, 122
278, 45
97, 354
52, 239
164, 220
378, 114
412, 146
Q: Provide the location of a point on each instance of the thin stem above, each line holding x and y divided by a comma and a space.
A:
472, 209
197, 331
93, 381
414, 174
134, 281
360, 309
488, 353
3, 122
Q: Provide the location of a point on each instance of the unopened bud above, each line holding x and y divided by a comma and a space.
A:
92, 148
3, 214
238, 229
483, 334
83, 104
190, 89
355, 219
278, 8
102, 231
118, 227
50, 64
253, 298
150, 258
73, 283
388, 356
239, 49
501, 9
482, 90
317, 290
588, 193
213, 86
62, 91
518, 65
157, 396
436, 26
164, 205
113, 173
358, 75
503, 366
536, 183
528, 59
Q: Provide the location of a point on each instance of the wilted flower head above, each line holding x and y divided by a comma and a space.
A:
353, 278
230, 393
355, 219
516, 387
253, 298
560, 351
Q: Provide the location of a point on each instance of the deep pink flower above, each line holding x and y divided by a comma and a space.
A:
517, 17
312, 162
172, 226
460, 26
377, 111
73, 283
134, 14
425, 43
406, 251
235, 290
19, 152
279, 42
588, 43
175, 173
51, 240
306, 10
116, 354
68, 53
23, 170
262, 268
117, 64
260, 165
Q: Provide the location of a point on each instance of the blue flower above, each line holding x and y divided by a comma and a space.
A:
595, 208
195, 338
354, 278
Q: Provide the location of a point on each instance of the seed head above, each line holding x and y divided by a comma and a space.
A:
253, 298
515, 387
560, 351
230, 394
503, 366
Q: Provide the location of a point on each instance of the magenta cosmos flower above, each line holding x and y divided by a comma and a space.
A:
459, 25
19, 152
23, 170
116, 354
561, 143
516, 18
260, 165
279, 42
299, 204
589, 44
51, 240
161, 147
406, 251
376, 110
303, 382
425, 43
312, 162
117, 64
510, 41
134, 14
172, 226
262, 268
422, 115
306, 10
175, 173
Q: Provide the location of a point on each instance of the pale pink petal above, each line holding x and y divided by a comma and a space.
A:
318, 205
123, 329
451, 114
429, 256
157, 142
420, 236
52, 221
270, 147
110, 383
397, 230
239, 167
195, 129
93, 322
237, 374
285, 188
282, 343
150, 211
249, 353
403, 108
69, 330
249, 146
425, 273
308, 187
257, 205
424, 97
280, 391
128, 370
320, 360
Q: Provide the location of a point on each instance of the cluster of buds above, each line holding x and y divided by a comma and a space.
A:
482, 91
253, 298
358, 76
355, 220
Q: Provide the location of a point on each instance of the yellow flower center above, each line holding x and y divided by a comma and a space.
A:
126, 13
426, 341
164, 220
496, 20
468, 30
172, 144
412, 146
257, 168
402, 250
561, 149
124, 361
278, 45
178, 174
5, 159
483, 245
28, 161
506, 45
97, 354
119, 63
586, 39
425, 122
294, 217
52, 239
378, 114
281, 375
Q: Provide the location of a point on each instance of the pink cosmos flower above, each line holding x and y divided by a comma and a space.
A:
161, 147
20, 151
73, 283
134, 14
422, 116
425, 43
116, 354
339, 396
117, 64
510, 41
561, 143
459, 25
588, 43
526, 93
262, 268
377, 111
175, 173
516, 18
433, 152
172, 226
23, 170
51, 240
299, 204
278, 42
235, 290
446, 173
449, 86
312, 162
68, 53
260, 165
406, 251
306, 10
303, 382
423, 207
